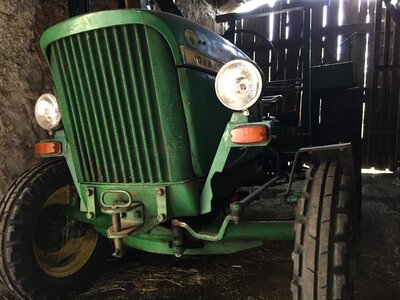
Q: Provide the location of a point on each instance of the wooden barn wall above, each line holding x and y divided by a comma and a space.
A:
346, 33
383, 110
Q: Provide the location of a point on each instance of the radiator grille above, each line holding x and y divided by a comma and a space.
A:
108, 82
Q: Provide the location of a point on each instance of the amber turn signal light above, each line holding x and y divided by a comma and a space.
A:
250, 134
48, 148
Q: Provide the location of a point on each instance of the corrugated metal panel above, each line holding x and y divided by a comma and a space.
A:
107, 78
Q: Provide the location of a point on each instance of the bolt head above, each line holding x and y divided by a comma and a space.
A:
88, 193
161, 218
89, 215
159, 192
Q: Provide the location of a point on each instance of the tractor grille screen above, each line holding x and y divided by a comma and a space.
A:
118, 91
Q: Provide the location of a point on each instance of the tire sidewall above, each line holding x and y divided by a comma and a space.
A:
37, 191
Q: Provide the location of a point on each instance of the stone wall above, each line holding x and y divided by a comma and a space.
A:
24, 75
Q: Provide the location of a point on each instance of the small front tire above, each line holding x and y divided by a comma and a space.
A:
38, 259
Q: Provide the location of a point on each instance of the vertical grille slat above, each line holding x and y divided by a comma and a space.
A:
137, 138
151, 74
125, 113
100, 108
113, 103
80, 93
143, 68
140, 106
71, 91
109, 79
94, 93
110, 125
86, 89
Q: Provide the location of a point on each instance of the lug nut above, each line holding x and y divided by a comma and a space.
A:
159, 192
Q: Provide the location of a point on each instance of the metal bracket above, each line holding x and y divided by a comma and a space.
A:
90, 204
161, 199
210, 237
310, 150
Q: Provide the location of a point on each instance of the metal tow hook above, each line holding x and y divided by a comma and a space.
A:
118, 243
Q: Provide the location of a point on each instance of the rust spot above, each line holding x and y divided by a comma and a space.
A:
189, 185
133, 194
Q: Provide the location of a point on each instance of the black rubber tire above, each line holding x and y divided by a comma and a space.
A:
19, 211
324, 235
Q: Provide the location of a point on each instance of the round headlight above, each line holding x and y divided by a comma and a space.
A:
47, 112
238, 84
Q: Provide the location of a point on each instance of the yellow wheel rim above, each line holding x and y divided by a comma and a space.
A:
74, 253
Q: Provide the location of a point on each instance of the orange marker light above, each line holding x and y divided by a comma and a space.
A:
250, 134
48, 148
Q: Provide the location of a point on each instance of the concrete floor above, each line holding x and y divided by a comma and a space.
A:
262, 273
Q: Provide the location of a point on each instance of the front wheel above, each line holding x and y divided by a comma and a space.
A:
44, 254
325, 233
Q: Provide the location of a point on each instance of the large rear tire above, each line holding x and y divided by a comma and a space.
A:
40, 258
324, 228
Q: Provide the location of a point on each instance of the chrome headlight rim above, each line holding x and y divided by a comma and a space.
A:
47, 101
252, 66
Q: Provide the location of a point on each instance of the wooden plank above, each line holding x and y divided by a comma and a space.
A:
274, 67
372, 99
361, 45
262, 57
396, 95
359, 73
282, 51
280, 6
350, 16
316, 26
369, 87
348, 29
275, 39
331, 40
293, 58
393, 102
383, 107
248, 38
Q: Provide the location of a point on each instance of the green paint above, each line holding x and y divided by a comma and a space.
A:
90, 206
171, 27
237, 238
159, 247
100, 106
206, 117
139, 121
238, 119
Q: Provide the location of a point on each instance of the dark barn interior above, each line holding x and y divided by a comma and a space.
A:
335, 66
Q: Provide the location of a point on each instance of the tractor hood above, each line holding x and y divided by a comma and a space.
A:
190, 43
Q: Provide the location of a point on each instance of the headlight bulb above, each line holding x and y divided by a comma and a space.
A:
238, 84
47, 112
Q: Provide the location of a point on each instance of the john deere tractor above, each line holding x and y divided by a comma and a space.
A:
159, 142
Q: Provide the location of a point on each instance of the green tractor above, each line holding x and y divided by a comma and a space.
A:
159, 142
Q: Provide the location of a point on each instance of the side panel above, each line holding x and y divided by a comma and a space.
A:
206, 117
